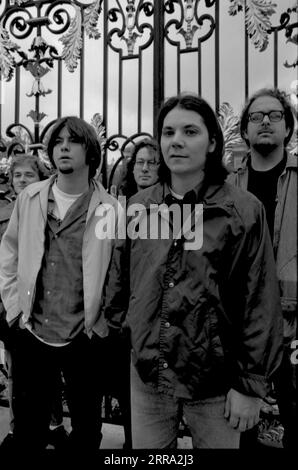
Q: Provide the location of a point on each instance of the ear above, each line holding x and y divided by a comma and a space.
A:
212, 145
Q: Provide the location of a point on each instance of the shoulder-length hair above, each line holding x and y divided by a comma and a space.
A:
27, 159
215, 172
282, 98
128, 186
85, 134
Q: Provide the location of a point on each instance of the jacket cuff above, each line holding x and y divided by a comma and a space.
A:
252, 385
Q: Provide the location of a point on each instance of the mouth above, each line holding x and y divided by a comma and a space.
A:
265, 132
178, 156
64, 157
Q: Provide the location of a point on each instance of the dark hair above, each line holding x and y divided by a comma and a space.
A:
282, 98
215, 172
28, 159
128, 185
85, 134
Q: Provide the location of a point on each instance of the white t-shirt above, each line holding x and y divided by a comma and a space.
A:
63, 201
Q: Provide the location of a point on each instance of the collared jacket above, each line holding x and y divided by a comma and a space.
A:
5, 214
22, 250
285, 241
205, 318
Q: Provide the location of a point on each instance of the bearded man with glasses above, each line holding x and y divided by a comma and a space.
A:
270, 173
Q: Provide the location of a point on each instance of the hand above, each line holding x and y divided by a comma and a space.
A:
242, 411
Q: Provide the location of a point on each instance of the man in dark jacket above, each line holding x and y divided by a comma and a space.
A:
200, 301
270, 173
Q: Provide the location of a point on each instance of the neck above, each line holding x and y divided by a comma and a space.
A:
72, 183
181, 184
261, 162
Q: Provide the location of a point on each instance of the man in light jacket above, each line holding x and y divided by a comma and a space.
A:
270, 173
53, 266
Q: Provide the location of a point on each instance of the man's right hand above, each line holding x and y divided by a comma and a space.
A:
242, 411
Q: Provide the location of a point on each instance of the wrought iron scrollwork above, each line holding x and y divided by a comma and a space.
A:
19, 22
59, 19
36, 35
131, 30
19, 26
257, 19
20, 19
189, 23
285, 23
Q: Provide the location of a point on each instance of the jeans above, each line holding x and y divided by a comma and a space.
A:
57, 405
156, 418
36, 369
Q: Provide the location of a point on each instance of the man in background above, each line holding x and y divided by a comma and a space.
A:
270, 173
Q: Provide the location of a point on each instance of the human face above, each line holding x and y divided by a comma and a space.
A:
145, 169
69, 154
266, 136
185, 142
23, 175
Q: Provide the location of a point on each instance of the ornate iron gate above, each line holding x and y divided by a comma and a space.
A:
141, 52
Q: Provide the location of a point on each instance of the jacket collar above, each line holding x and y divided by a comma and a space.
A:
292, 162
215, 194
42, 188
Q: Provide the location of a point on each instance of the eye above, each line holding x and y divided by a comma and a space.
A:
191, 131
74, 139
167, 132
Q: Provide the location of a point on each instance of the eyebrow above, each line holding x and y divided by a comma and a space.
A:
184, 125
262, 110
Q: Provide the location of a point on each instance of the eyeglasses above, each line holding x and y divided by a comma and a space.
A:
258, 116
152, 164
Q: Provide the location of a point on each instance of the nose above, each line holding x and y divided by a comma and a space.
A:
65, 144
22, 178
266, 119
177, 140
145, 166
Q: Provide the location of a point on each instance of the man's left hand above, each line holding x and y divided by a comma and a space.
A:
242, 411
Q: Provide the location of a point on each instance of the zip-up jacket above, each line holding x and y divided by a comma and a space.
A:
201, 320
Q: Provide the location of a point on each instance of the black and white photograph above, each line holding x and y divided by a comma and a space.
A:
148, 231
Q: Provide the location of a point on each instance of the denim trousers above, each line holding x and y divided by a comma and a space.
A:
57, 405
156, 417
36, 370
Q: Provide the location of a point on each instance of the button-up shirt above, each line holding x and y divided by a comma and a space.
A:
58, 311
